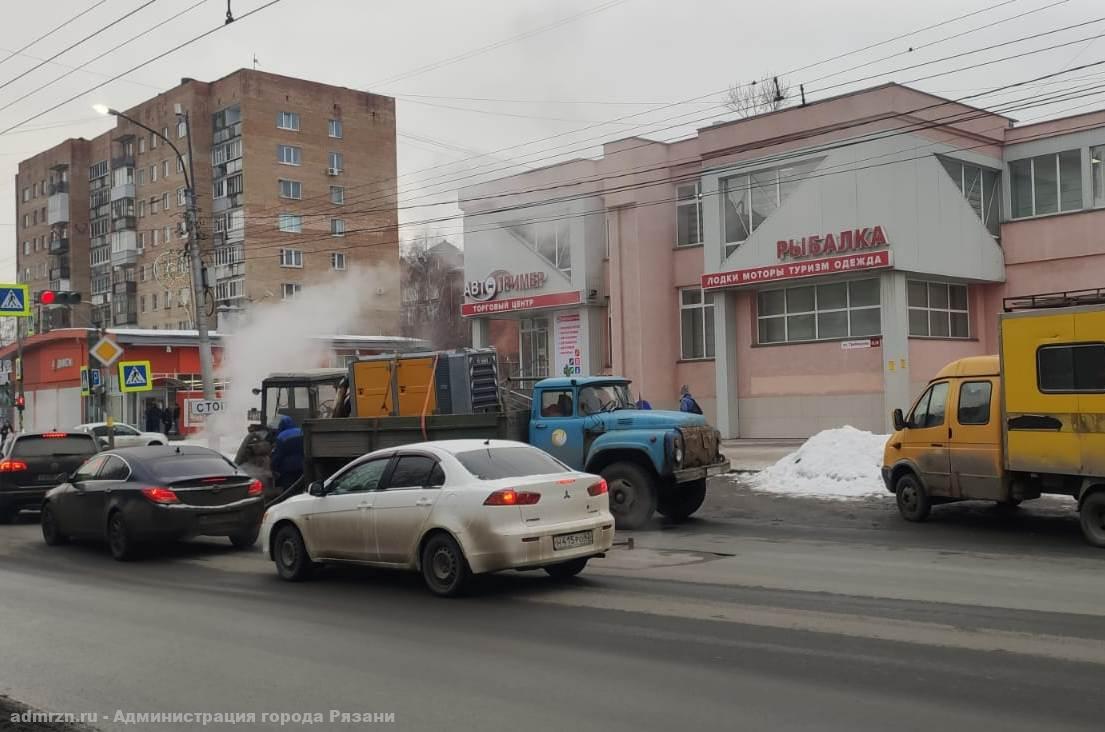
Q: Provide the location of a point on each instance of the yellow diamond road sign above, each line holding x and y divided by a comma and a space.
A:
106, 351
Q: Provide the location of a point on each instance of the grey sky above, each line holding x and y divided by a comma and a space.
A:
651, 51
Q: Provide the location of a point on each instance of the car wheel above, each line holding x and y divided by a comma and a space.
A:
245, 539
51, 533
156, 442
681, 501
913, 500
566, 570
290, 554
119, 540
1092, 517
632, 494
444, 568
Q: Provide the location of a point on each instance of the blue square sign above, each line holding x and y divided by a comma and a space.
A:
134, 376
14, 301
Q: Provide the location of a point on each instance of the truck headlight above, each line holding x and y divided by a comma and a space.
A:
678, 455
677, 450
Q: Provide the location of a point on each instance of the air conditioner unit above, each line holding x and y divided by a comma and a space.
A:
333, 171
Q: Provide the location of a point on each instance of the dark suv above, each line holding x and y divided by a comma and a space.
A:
34, 462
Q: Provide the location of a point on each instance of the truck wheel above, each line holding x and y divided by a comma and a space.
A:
913, 500
679, 502
632, 495
1092, 517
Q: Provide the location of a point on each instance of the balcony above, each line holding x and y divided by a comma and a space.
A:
57, 208
124, 223
119, 192
125, 288
59, 245
227, 133
61, 186
124, 248
126, 317
60, 285
122, 161
60, 273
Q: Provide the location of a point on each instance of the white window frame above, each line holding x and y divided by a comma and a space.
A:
787, 314
294, 188
290, 223
181, 197
287, 121
695, 201
335, 129
336, 157
337, 261
181, 129
292, 258
337, 227
1097, 176
296, 154
940, 311
1058, 185
289, 290
338, 200
705, 308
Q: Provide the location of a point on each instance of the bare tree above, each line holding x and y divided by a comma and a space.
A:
433, 291
765, 95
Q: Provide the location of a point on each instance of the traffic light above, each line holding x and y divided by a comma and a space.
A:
20, 403
57, 297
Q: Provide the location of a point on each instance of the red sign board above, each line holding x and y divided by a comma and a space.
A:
794, 270
515, 304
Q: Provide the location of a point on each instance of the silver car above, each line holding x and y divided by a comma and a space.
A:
125, 435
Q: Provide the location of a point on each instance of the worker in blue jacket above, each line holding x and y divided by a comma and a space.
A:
287, 453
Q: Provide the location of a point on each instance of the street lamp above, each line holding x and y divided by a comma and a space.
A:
199, 300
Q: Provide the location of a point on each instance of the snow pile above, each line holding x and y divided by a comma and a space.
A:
837, 463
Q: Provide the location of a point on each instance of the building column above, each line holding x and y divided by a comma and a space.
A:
895, 344
725, 362
481, 332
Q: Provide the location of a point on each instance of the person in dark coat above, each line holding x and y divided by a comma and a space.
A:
287, 453
153, 416
167, 419
687, 402
176, 418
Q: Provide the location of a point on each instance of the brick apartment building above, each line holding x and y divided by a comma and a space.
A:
295, 183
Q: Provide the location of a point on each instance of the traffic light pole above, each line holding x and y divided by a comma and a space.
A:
20, 396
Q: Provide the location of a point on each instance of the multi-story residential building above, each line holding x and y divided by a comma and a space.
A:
106, 216
801, 269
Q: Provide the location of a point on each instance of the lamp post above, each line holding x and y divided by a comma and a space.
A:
199, 300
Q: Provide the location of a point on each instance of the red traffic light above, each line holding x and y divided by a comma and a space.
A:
57, 297
20, 402
47, 297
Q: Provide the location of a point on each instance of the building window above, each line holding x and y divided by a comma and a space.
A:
1097, 173
696, 324
142, 303
291, 189
34, 216
1071, 368
337, 261
168, 234
230, 289
336, 162
181, 129
155, 205
165, 201
1046, 184
335, 128
181, 198
153, 174
981, 187
291, 258
141, 240
291, 223
26, 220
337, 227
164, 168
291, 289
156, 236
181, 162
140, 176
153, 301
288, 121
337, 194
748, 199
26, 194
26, 247
289, 154
168, 300
688, 214
819, 312
938, 310
153, 142
141, 145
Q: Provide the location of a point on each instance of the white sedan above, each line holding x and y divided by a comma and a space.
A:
448, 509
125, 435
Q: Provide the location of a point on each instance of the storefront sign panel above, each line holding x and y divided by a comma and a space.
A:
796, 270
516, 304
569, 348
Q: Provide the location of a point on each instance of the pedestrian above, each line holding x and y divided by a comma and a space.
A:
287, 453
166, 419
687, 402
176, 418
153, 416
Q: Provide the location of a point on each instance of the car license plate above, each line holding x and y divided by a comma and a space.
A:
573, 541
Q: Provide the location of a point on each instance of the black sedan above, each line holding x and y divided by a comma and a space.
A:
32, 463
140, 494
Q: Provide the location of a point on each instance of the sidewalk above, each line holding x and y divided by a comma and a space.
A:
747, 455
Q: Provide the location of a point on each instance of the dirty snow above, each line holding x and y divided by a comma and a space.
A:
841, 463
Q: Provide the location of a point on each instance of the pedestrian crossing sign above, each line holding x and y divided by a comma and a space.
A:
134, 376
84, 381
15, 300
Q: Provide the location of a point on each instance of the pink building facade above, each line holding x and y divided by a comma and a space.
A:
798, 270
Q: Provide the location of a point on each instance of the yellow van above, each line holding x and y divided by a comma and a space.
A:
1011, 427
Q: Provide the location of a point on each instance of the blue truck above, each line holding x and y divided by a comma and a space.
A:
653, 460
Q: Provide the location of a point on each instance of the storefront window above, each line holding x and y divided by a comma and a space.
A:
1097, 172
981, 187
747, 200
1046, 184
819, 312
696, 324
688, 212
534, 347
938, 310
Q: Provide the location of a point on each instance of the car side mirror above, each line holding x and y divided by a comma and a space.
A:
899, 420
316, 489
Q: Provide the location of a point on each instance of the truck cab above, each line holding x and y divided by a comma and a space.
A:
653, 460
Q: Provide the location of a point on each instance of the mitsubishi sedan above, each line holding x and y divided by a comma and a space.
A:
448, 509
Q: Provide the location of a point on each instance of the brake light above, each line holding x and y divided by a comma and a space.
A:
160, 495
54, 435
598, 488
255, 487
511, 497
12, 466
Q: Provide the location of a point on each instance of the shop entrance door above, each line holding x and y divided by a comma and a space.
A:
534, 347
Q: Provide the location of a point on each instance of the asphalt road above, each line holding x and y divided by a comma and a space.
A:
765, 614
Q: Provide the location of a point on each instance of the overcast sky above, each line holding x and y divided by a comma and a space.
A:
577, 63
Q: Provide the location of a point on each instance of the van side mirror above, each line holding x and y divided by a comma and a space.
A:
316, 489
899, 420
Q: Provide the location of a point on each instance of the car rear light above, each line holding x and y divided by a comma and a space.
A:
160, 495
12, 466
597, 489
55, 435
511, 497
255, 487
